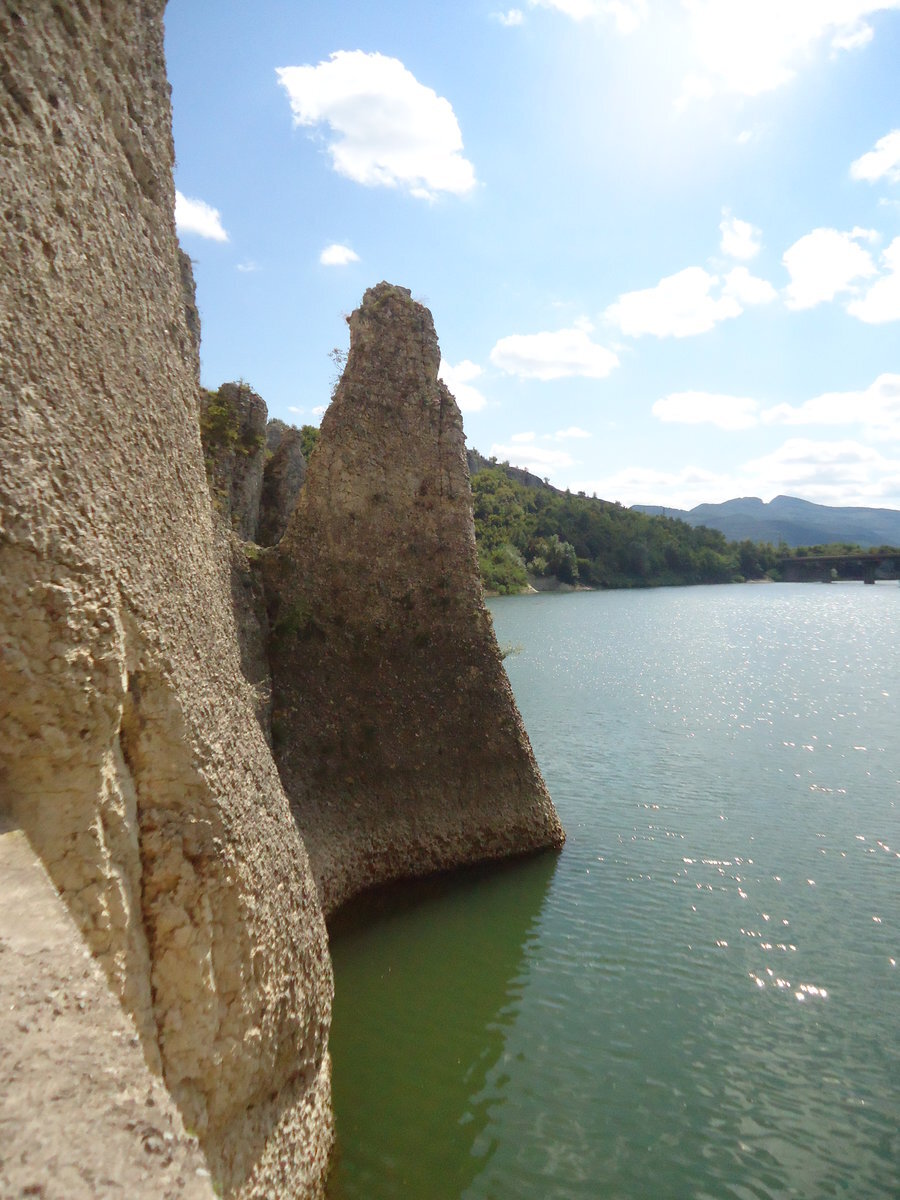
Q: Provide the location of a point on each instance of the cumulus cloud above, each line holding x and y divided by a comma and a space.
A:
337, 255
707, 408
689, 302
740, 239
840, 472
837, 472
385, 128
875, 408
823, 264
573, 431
459, 380
880, 302
748, 289
881, 163
196, 216
533, 457
553, 355
755, 46
514, 16
628, 15
648, 485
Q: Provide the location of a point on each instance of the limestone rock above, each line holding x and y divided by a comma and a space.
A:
129, 751
74, 1087
283, 478
233, 426
394, 725
191, 312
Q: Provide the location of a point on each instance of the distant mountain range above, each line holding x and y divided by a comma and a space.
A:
787, 519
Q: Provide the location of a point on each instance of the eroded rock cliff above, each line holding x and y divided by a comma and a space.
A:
135, 642
129, 752
395, 730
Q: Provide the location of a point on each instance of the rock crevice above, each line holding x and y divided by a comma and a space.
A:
130, 753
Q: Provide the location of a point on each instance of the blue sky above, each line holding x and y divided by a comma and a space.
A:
660, 240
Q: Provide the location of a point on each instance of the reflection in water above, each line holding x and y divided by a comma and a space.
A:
428, 984
698, 999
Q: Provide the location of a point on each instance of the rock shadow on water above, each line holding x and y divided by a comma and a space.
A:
427, 981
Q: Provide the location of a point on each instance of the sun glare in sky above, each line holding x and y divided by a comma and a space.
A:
672, 227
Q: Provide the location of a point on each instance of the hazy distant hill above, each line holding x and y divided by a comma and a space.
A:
787, 519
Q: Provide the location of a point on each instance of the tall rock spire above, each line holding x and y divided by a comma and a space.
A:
395, 728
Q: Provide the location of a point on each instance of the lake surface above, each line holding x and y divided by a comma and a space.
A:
700, 997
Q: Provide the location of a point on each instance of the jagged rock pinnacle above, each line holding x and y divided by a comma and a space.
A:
395, 728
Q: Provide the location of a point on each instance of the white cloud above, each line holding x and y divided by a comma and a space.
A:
823, 264
881, 163
755, 46
740, 239
337, 255
689, 302
628, 15
196, 216
841, 472
680, 305
248, 266
319, 410
512, 17
838, 473
539, 459
386, 128
557, 355
459, 380
707, 408
573, 431
881, 301
853, 38
748, 289
673, 489
875, 408
523, 437
297, 411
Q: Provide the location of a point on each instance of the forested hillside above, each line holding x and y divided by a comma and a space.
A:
526, 527
531, 528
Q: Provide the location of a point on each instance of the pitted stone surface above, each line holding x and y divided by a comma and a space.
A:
233, 422
129, 750
394, 725
81, 1116
283, 478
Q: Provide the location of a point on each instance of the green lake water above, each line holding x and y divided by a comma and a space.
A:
699, 997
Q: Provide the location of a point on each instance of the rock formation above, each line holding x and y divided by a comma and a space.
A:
284, 474
134, 681
78, 1106
394, 726
129, 752
233, 426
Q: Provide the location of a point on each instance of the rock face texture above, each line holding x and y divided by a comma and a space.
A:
283, 478
129, 750
394, 726
136, 636
233, 425
75, 1092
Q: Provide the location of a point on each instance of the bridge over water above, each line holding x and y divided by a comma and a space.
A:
827, 568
